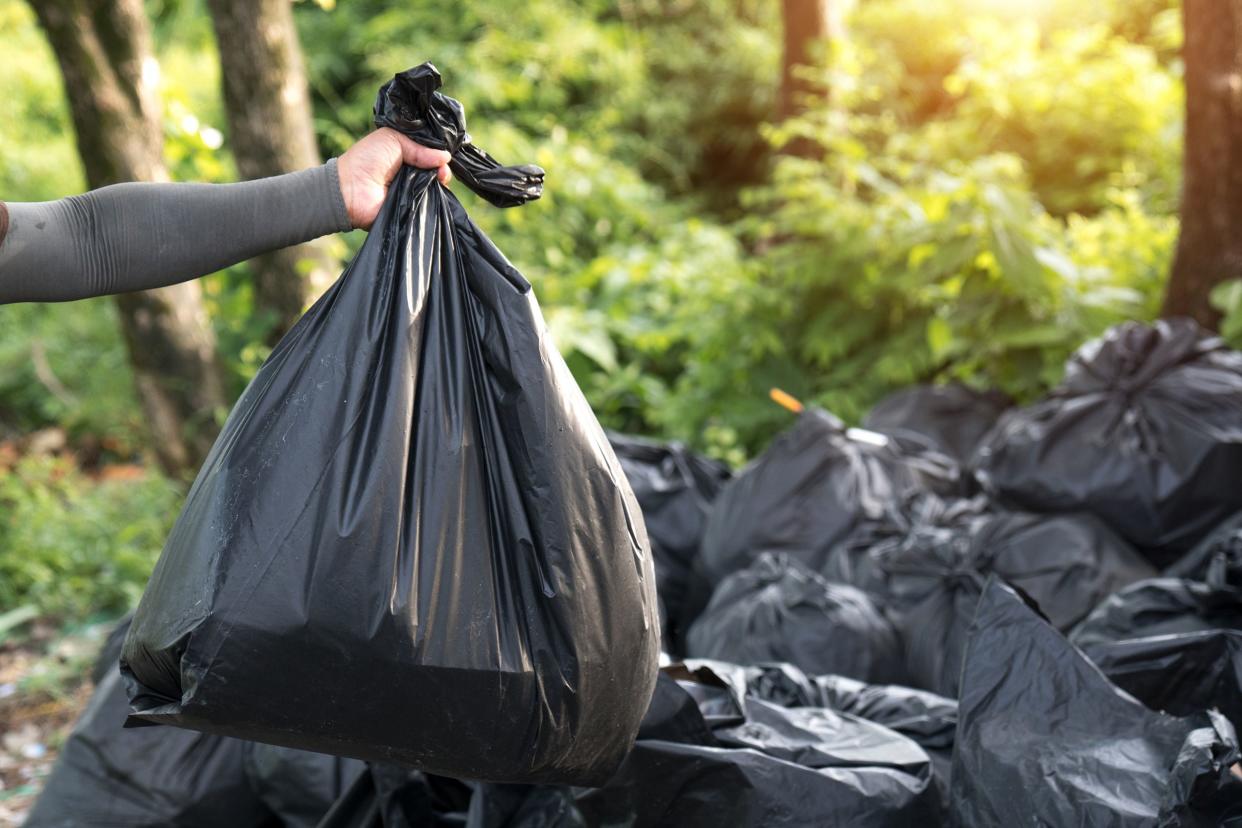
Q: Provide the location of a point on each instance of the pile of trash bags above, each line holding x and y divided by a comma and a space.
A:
417, 584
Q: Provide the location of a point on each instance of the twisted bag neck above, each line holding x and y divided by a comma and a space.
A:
411, 103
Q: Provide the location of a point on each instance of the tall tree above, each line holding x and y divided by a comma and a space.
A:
271, 132
1209, 247
110, 76
807, 24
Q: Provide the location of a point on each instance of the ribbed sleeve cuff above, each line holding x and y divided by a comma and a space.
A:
339, 212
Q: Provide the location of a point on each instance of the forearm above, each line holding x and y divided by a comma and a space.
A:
138, 236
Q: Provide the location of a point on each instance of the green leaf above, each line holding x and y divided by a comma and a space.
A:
940, 337
14, 618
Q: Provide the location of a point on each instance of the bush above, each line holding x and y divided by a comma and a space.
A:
877, 271
73, 548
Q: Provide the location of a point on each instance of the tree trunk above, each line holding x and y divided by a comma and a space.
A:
1209, 247
271, 132
806, 24
111, 76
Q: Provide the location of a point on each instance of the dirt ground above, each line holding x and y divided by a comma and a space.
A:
44, 683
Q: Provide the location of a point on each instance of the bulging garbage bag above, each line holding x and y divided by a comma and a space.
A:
411, 541
675, 488
931, 576
778, 610
1067, 563
1178, 674
1145, 431
108, 776
1045, 739
1161, 606
814, 485
954, 417
868, 557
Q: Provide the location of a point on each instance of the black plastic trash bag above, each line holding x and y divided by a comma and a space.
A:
411, 541
1161, 606
1067, 563
868, 558
675, 488
107, 775
392, 796
1217, 559
1178, 674
778, 610
927, 718
930, 720
297, 786
1145, 431
1045, 739
954, 417
707, 757
812, 487
931, 577
935, 629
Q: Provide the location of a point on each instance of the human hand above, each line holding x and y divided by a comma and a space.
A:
367, 168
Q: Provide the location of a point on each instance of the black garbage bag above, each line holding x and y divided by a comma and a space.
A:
392, 796
1217, 559
931, 577
675, 488
411, 541
928, 719
1145, 431
954, 417
935, 629
1178, 674
778, 610
813, 487
707, 757
1066, 563
1161, 606
1045, 739
110, 652
867, 558
107, 776
299, 787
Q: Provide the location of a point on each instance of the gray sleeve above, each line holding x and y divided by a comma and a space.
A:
131, 237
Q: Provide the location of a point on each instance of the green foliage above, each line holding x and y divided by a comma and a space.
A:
65, 365
40, 159
73, 548
998, 182
1088, 111
1227, 298
877, 267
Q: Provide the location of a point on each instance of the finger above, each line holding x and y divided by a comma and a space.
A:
445, 175
416, 155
